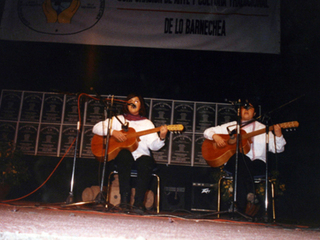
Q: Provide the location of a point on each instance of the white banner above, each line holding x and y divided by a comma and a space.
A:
217, 25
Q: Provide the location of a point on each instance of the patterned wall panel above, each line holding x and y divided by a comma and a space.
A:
42, 123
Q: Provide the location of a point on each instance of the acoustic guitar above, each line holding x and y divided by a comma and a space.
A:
98, 143
216, 156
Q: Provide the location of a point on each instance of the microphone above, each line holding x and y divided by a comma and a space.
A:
97, 94
247, 106
94, 91
125, 127
132, 105
231, 133
236, 103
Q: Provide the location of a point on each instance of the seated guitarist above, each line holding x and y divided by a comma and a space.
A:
140, 159
253, 163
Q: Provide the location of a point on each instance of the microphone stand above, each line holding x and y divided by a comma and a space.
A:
266, 191
235, 174
235, 177
100, 198
70, 198
266, 200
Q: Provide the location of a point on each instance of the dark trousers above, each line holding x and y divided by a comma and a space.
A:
144, 166
247, 169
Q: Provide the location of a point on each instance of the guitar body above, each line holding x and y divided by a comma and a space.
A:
216, 156
98, 145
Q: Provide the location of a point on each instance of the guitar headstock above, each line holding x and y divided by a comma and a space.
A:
175, 128
292, 124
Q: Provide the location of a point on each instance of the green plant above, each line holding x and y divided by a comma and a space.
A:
13, 169
227, 185
279, 187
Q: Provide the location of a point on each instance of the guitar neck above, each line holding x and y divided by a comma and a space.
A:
145, 132
175, 128
263, 130
258, 132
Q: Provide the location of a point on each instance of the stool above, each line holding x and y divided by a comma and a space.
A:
257, 179
134, 173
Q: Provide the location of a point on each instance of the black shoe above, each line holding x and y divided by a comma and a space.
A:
139, 209
125, 202
125, 207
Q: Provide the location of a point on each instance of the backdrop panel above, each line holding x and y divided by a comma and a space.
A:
45, 124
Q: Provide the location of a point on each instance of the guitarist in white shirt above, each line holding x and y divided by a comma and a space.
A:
253, 163
140, 158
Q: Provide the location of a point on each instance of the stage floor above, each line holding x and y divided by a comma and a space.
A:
30, 220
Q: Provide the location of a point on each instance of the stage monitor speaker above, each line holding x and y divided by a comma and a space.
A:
173, 198
204, 197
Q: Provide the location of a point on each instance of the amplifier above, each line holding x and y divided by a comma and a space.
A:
204, 197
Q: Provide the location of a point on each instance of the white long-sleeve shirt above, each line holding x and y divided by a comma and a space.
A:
258, 145
147, 142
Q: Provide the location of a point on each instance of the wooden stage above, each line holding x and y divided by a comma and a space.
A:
30, 220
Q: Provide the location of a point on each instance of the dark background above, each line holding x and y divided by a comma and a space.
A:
287, 85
